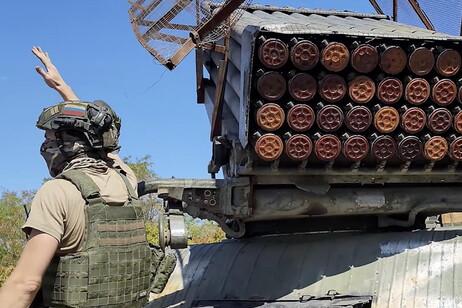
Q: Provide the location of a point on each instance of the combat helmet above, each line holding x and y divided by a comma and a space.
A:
95, 120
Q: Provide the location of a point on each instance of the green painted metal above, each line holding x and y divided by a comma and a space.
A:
398, 269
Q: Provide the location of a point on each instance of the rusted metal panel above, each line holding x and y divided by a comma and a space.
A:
411, 269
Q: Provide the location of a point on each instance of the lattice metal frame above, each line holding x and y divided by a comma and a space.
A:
170, 29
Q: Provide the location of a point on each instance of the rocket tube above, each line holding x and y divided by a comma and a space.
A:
435, 148
300, 117
304, 55
334, 56
358, 119
364, 58
421, 61
448, 62
273, 53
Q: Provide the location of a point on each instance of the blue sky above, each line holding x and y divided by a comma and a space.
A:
92, 44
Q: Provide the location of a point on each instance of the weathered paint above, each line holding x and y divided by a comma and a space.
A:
399, 269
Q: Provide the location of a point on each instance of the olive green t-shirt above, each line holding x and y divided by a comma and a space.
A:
58, 207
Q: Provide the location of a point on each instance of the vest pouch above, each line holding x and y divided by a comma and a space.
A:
118, 277
65, 281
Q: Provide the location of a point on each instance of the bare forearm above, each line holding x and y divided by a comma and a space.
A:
66, 92
18, 293
21, 287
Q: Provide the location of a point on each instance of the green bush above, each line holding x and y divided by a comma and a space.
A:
12, 239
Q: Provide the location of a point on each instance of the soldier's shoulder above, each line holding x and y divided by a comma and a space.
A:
55, 185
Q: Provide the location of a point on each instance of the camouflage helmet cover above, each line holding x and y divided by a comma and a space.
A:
96, 120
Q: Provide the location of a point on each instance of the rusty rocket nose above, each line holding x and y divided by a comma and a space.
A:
335, 56
364, 58
417, 91
361, 89
328, 147
271, 86
448, 62
298, 147
330, 118
421, 61
332, 88
383, 148
444, 92
393, 60
355, 148
273, 53
302, 87
389, 90
458, 122
269, 147
358, 119
270, 117
455, 149
439, 120
413, 120
409, 148
300, 117
386, 119
435, 148
304, 55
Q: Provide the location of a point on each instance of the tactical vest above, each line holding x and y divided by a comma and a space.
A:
113, 268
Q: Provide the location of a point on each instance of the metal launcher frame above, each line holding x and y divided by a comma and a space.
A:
326, 189
197, 32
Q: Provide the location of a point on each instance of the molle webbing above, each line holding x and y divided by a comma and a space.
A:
113, 269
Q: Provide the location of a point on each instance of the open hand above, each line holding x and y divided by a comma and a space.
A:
51, 75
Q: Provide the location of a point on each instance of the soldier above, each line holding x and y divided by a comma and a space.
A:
87, 245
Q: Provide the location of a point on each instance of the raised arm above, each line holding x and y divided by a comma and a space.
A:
52, 77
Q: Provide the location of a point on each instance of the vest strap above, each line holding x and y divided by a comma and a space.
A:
131, 192
86, 186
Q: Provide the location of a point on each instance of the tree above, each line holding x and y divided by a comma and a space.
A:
12, 239
199, 231
152, 206
203, 231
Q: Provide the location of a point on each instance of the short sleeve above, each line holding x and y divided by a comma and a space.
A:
48, 212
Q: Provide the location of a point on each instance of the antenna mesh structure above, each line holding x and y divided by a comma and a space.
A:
164, 26
445, 15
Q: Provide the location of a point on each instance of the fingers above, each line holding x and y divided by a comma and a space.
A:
37, 51
43, 56
40, 71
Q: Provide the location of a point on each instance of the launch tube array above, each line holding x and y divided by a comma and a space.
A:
328, 100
